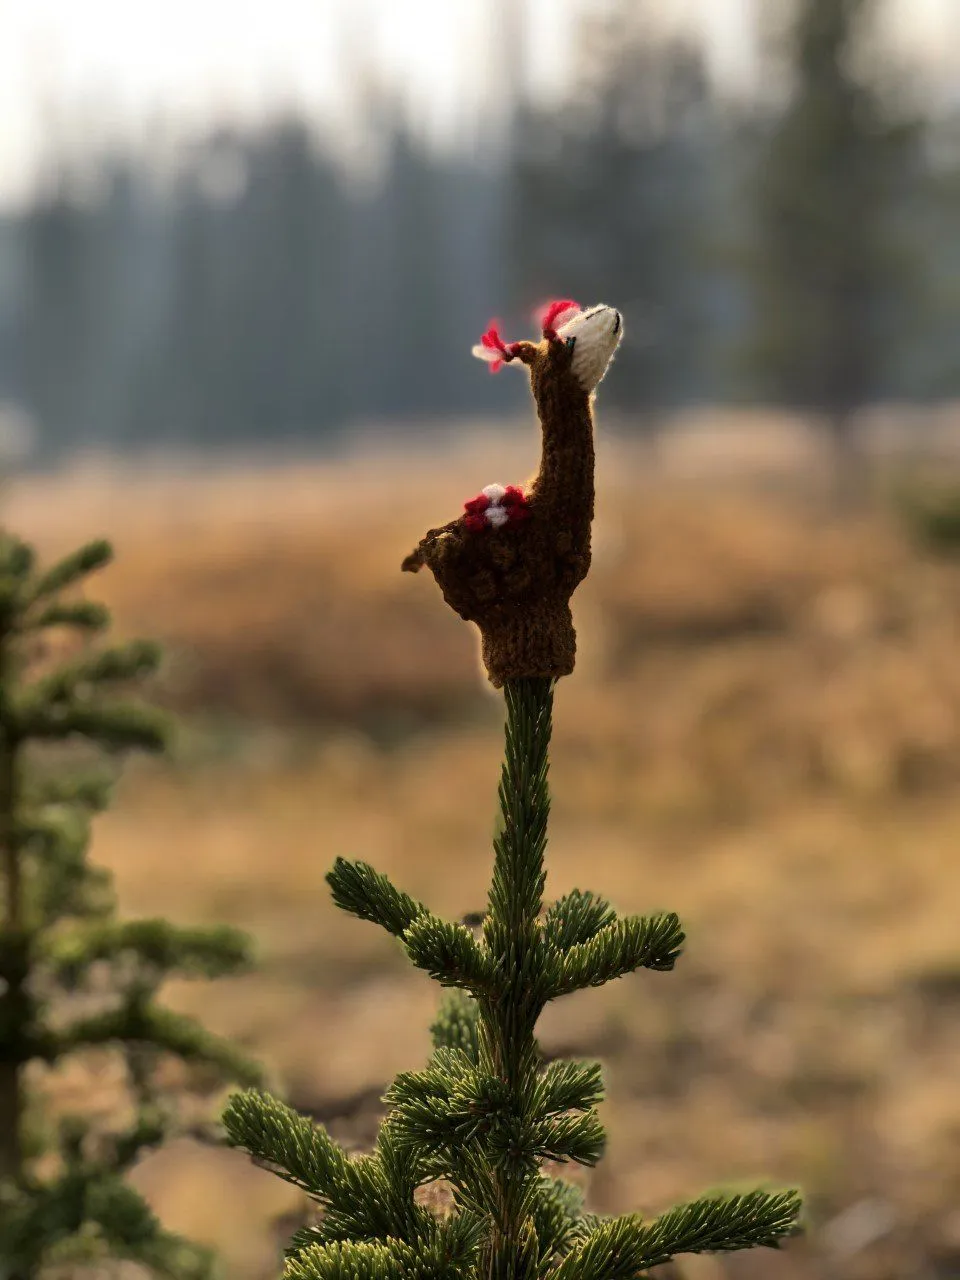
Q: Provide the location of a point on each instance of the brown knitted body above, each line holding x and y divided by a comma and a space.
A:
537, 642
515, 582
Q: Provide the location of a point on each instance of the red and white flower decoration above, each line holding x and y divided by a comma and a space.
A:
495, 506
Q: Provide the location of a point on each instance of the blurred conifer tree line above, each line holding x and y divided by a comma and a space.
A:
798, 248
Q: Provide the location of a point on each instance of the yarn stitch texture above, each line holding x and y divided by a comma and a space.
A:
512, 561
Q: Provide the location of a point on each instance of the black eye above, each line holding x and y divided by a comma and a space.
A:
570, 344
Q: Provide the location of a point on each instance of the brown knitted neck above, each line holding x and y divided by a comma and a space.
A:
564, 487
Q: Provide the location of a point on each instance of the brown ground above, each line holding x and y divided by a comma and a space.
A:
763, 734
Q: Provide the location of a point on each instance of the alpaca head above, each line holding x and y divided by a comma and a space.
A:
577, 347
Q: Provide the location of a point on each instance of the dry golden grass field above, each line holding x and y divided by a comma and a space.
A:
763, 734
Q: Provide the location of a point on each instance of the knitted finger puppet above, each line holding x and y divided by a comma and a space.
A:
513, 559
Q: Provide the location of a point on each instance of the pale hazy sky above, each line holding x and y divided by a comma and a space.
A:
192, 59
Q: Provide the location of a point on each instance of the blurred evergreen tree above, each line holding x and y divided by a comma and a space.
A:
276, 295
73, 977
830, 268
611, 198
54, 343
11, 291
285, 289
926, 367
247, 349
403, 282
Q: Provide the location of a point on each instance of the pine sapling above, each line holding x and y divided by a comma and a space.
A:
74, 977
487, 1112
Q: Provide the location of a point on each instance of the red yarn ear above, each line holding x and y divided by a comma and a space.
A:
555, 314
496, 352
493, 349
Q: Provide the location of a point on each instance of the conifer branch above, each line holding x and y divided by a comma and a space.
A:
87, 615
130, 661
113, 726
577, 1136
122, 1212
576, 918
16, 565
362, 891
86, 1215
90, 791
449, 953
456, 1025
205, 952
568, 1086
448, 1250
299, 1151
147, 1132
347, 1260
168, 1255
87, 559
54, 833
557, 1214
634, 942
448, 1104
137, 1021
622, 1248
367, 1197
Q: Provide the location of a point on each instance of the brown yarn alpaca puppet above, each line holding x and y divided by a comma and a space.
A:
512, 561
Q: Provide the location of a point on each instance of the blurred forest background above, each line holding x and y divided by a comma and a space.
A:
262, 333
265, 285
